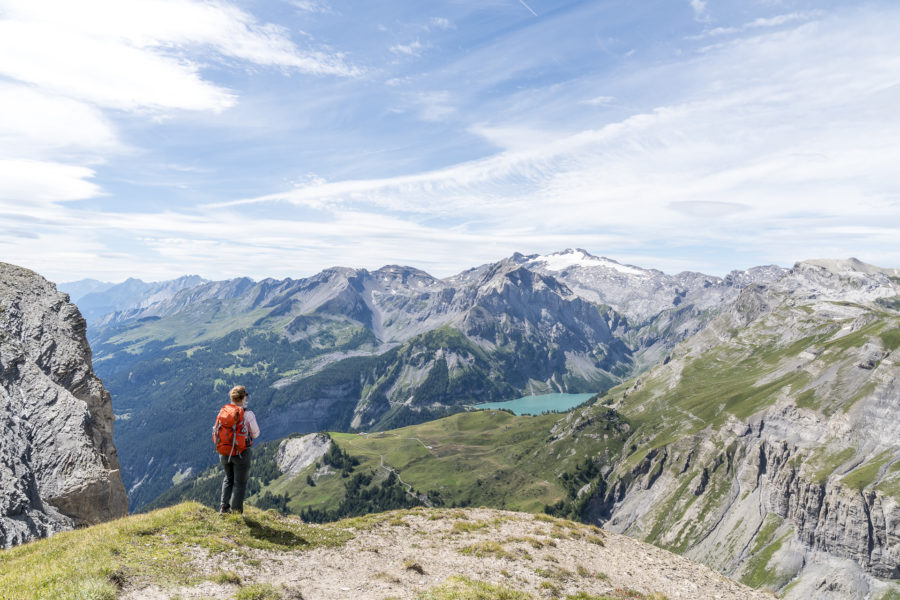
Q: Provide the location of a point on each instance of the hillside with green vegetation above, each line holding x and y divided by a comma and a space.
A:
481, 458
163, 437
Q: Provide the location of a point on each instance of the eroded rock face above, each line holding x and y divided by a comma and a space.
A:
833, 518
58, 464
295, 454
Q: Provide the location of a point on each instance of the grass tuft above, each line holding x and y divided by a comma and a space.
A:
258, 591
463, 588
467, 526
227, 577
557, 573
487, 548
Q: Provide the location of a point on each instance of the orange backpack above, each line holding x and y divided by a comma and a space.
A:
230, 432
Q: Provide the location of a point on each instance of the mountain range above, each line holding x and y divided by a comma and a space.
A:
748, 422
96, 299
351, 349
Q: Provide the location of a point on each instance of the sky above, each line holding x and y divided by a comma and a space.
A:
276, 138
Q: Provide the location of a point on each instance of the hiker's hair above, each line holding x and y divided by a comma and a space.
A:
238, 393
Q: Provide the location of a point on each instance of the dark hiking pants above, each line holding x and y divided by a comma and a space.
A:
234, 486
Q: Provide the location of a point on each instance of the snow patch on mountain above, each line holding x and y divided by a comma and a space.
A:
560, 261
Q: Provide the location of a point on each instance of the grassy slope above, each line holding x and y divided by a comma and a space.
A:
489, 458
93, 563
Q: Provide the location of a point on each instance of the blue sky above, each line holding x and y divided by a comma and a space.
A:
280, 137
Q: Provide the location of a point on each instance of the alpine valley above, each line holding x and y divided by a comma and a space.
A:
751, 423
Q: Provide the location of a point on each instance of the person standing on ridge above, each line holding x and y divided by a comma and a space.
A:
233, 434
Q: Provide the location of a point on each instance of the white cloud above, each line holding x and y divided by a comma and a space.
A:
791, 155
24, 182
435, 106
102, 72
313, 6
63, 63
160, 25
708, 208
131, 54
34, 124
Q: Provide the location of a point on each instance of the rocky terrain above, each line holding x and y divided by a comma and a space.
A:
474, 553
768, 445
59, 467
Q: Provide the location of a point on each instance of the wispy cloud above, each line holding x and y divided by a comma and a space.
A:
24, 182
601, 101
791, 155
130, 54
412, 49
760, 23
313, 6
701, 12
36, 124
441, 23
762, 149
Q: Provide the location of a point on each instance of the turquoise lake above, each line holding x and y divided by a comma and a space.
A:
535, 405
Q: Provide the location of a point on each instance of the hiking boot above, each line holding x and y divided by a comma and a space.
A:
224, 511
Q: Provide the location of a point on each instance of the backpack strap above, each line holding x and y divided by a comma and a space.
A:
238, 424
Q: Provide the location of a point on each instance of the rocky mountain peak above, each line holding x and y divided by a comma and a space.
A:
848, 280
508, 273
850, 265
60, 467
415, 279
763, 274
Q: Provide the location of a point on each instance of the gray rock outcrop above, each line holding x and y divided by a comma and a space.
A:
295, 454
58, 464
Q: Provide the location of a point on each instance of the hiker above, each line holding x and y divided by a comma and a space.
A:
234, 447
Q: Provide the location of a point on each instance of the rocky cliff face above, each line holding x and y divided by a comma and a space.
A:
58, 465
